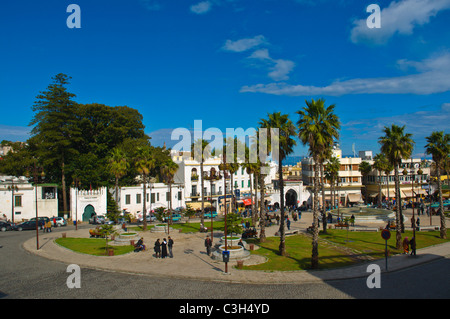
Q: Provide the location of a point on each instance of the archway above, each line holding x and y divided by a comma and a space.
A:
291, 198
89, 211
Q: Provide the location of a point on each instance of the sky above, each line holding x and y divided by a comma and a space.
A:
228, 63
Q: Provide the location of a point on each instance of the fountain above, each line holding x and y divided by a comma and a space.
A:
364, 214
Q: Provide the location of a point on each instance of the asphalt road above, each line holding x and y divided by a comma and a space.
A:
26, 276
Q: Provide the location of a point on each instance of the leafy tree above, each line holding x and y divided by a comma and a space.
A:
365, 168
201, 151
145, 162
286, 144
439, 147
318, 127
397, 144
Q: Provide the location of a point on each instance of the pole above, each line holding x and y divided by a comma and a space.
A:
35, 197
386, 254
225, 206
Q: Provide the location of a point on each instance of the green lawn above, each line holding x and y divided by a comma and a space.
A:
92, 246
335, 250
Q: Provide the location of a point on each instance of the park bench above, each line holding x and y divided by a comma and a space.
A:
428, 228
291, 232
364, 229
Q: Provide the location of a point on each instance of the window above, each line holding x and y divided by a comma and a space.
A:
167, 196
153, 198
127, 199
157, 197
138, 198
18, 201
242, 184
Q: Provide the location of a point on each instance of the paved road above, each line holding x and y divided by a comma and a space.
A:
25, 275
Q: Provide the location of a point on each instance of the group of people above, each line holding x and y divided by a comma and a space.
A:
163, 249
407, 244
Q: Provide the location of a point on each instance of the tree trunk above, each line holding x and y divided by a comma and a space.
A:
63, 185
398, 215
202, 220
262, 235
144, 204
441, 204
282, 246
315, 239
324, 219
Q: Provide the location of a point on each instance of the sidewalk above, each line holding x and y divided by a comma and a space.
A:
191, 261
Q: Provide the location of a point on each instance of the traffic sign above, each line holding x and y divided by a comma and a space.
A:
385, 234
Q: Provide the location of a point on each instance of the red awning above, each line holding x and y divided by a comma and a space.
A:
247, 201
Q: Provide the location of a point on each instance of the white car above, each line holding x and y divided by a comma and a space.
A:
59, 222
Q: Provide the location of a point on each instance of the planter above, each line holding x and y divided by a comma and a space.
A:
63, 235
240, 264
236, 253
110, 252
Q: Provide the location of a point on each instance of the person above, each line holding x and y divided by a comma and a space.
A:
157, 248
413, 246
170, 245
139, 245
240, 243
405, 245
124, 227
208, 245
164, 248
288, 223
49, 226
278, 219
418, 222
412, 222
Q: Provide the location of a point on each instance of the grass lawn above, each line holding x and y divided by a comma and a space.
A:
92, 246
334, 249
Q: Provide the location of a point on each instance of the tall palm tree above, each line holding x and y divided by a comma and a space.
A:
144, 163
324, 156
365, 168
397, 145
118, 166
286, 145
318, 127
380, 164
332, 173
168, 170
201, 151
438, 147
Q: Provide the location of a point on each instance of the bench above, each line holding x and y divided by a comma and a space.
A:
364, 229
428, 228
291, 232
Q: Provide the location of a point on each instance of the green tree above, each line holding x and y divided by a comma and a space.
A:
118, 166
318, 127
144, 163
54, 131
168, 171
380, 164
397, 145
365, 168
286, 145
201, 151
438, 147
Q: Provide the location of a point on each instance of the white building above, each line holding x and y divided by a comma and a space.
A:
18, 199
189, 175
157, 195
350, 179
86, 203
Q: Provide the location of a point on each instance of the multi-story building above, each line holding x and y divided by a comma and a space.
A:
349, 183
413, 177
18, 199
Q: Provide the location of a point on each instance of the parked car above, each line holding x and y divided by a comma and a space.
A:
28, 225
175, 218
97, 219
43, 219
60, 221
208, 215
149, 218
4, 226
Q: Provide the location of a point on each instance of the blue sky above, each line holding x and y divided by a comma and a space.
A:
230, 62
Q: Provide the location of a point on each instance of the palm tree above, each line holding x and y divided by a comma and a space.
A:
118, 166
439, 147
380, 164
145, 162
168, 170
318, 126
286, 144
201, 151
397, 145
365, 168
332, 173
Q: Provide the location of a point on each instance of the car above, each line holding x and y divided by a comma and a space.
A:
208, 215
174, 217
97, 219
149, 218
28, 225
44, 219
4, 226
60, 221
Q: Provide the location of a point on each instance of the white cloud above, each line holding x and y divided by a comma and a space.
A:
244, 44
399, 17
201, 7
432, 76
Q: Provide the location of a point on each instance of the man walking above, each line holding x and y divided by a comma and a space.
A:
208, 245
170, 244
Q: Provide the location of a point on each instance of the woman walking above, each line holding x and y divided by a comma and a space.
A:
157, 248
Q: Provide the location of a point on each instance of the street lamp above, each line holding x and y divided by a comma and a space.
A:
38, 172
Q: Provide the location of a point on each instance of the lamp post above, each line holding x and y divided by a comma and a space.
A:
37, 170
412, 203
76, 183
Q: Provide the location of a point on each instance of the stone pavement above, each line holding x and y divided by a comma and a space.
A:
191, 261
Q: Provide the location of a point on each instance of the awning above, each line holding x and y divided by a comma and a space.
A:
420, 192
247, 201
407, 193
354, 198
198, 205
